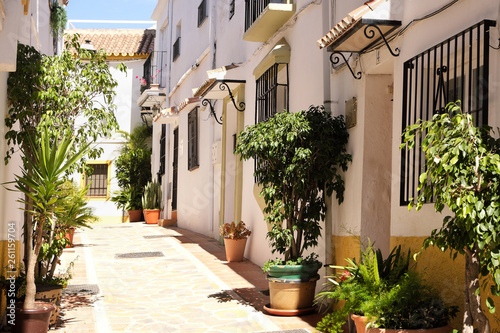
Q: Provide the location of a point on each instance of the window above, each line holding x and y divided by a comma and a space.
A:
163, 140
456, 69
202, 12
193, 139
272, 92
175, 168
98, 179
176, 49
231, 9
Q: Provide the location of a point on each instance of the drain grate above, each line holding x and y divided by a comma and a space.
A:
81, 289
156, 236
139, 255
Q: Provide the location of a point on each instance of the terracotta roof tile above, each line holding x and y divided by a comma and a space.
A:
118, 42
348, 22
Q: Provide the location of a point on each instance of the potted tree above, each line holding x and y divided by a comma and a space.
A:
235, 238
383, 294
133, 167
462, 166
299, 159
40, 181
151, 202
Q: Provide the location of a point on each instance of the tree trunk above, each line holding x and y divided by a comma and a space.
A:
473, 314
29, 301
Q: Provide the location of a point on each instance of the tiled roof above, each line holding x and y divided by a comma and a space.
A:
118, 42
348, 22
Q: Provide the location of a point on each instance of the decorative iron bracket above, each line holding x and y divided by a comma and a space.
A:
206, 102
223, 87
440, 90
370, 33
334, 59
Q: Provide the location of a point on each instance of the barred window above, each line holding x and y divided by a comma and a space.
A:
271, 92
202, 12
456, 69
175, 168
193, 139
163, 142
98, 180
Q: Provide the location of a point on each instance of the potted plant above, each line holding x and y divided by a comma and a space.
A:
133, 167
41, 181
235, 238
462, 167
383, 294
299, 159
151, 202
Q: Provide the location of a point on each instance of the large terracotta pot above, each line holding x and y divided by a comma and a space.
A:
35, 320
134, 215
235, 249
362, 321
50, 294
292, 294
151, 215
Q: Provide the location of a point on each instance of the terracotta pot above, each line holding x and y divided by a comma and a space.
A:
50, 294
134, 215
151, 215
69, 235
362, 321
292, 294
34, 320
235, 249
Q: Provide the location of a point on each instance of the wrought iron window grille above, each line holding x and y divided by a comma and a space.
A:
202, 12
176, 52
455, 69
193, 139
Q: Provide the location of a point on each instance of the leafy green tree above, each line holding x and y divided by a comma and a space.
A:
300, 157
462, 172
60, 89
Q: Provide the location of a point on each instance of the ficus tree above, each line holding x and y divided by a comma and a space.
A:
462, 172
299, 162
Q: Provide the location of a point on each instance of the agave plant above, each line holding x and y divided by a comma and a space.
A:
40, 181
152, 195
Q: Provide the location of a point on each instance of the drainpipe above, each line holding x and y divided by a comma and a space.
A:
329, 258
169, 48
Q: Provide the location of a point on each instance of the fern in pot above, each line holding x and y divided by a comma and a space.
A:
151, 202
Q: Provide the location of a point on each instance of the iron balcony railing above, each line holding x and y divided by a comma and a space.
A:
154, 69
253, 8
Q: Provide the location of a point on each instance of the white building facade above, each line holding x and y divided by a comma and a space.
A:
301, 49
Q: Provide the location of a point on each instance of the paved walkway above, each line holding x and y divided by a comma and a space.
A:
135, 277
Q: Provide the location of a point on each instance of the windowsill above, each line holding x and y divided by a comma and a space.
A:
97, 198
194, 168
203, 22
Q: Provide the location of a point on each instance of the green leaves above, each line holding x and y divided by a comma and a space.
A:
300, 157
462, 173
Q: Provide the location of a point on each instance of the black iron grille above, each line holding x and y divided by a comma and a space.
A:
456, 69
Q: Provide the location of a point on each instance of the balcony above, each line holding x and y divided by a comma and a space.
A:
264, 17
154, 69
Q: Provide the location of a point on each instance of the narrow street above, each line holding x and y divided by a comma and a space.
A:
141, 278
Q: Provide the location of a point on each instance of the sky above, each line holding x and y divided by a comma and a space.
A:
130, 10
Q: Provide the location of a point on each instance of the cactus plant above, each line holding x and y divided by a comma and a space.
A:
152, 195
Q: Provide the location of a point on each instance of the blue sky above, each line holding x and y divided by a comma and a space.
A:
130, 10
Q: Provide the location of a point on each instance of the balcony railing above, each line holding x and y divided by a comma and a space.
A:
253, 8
154, 69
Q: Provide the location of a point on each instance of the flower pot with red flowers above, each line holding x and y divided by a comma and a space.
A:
235, 238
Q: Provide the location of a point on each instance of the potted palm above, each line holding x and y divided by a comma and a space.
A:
235, 238
40, 181
383, 294
151, 202
299, 160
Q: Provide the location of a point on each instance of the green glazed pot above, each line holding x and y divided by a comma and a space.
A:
303, 272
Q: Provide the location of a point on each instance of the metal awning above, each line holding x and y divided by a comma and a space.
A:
217, 88
362, 35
